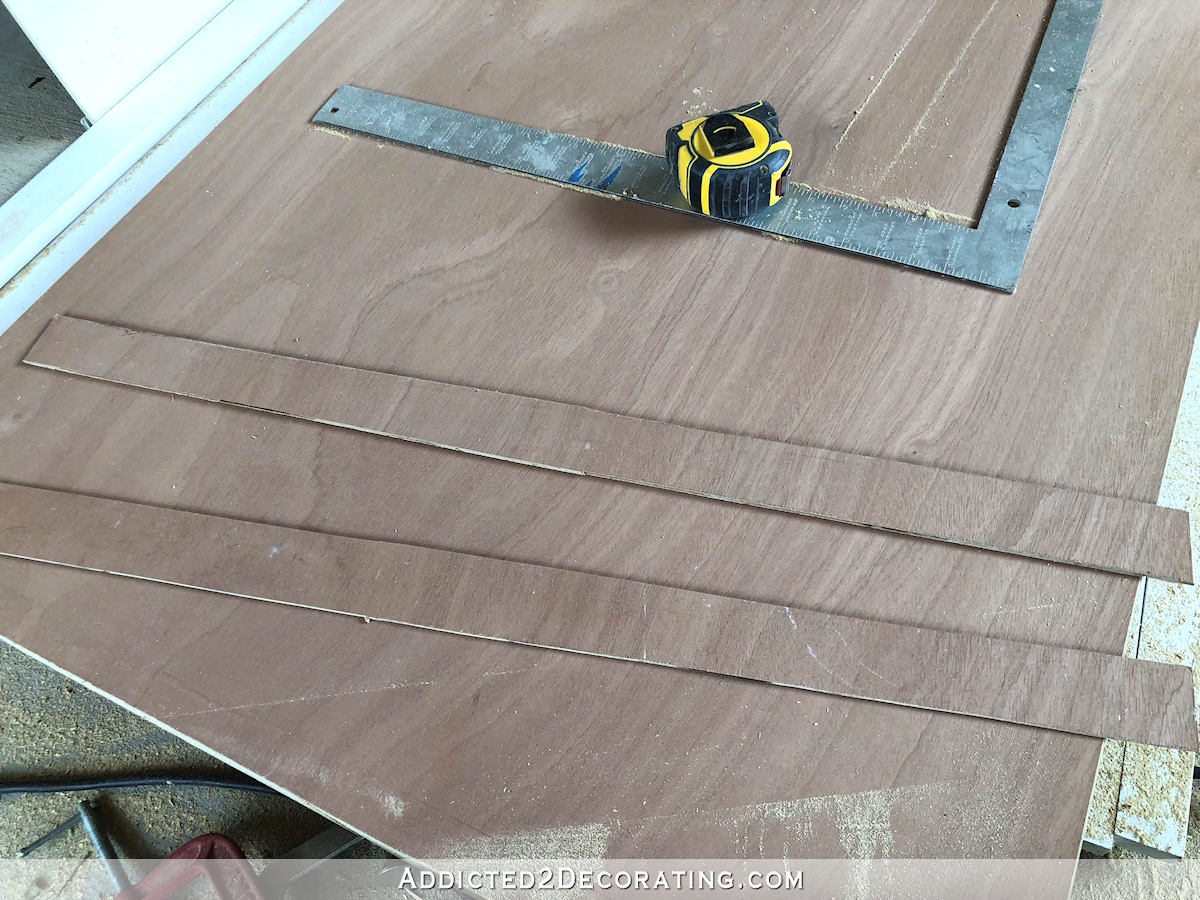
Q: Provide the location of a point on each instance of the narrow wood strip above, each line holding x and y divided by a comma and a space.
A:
1057, 525
1048, 687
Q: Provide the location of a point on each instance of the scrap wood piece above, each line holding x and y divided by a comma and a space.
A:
1062, 689
1052, 524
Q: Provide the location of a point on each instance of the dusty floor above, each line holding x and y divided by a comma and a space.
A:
52, 728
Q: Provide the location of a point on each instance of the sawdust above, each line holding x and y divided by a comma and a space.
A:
336, 132
1100, 826
919, 208
858, 111
697, 107
1156, 794
834, 192
1169, 622
862, 822
923, 121
394, 806
912, 207
1154, 879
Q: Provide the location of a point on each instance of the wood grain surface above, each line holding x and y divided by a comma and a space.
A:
279, 237
625, 773
918, 108
1105, 533
1049, 687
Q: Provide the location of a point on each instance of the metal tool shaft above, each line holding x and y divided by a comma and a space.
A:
103, 846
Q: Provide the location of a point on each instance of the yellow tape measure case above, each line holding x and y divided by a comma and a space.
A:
733, 163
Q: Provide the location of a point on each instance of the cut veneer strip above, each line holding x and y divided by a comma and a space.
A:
1048, 687
1047, 523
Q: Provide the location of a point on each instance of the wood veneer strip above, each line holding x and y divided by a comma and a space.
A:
1048, 687
1057, 525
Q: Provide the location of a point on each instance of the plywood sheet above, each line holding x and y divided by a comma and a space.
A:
278, 237
618, 764
910, 124
1031, 684
1105, 533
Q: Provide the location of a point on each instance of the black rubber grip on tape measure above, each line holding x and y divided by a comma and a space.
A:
733, 189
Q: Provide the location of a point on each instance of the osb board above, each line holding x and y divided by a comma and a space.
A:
279, 237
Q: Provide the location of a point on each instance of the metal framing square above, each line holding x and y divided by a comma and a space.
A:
991, 253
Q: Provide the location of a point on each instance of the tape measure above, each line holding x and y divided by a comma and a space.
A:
733, 163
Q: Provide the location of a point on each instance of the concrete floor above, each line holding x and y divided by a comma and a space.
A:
52, 728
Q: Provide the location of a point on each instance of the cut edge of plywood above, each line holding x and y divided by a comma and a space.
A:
1099, 829
613, 618
210, 749
644, 452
